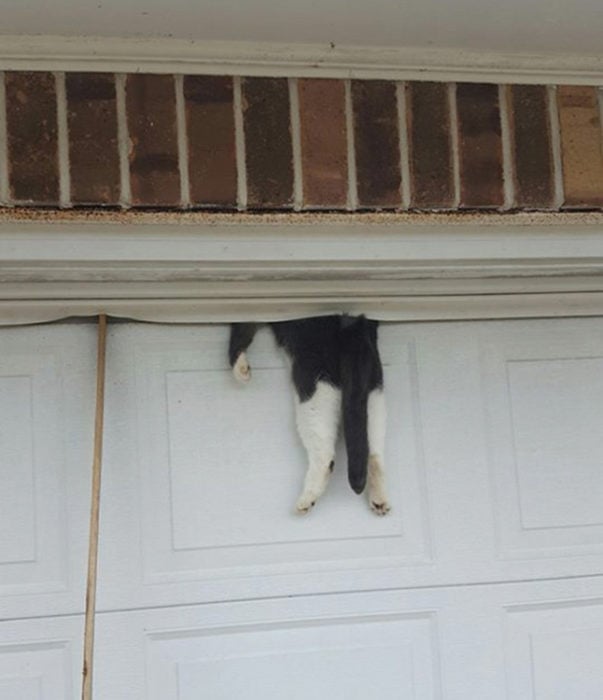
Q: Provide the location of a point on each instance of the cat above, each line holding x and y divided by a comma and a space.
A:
337, 373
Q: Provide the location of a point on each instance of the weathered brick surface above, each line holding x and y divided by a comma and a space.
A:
580, 125
323, 142
530, 128
269, 152
210, 133
154, 167
93, 145
211, 140
32, 135
480, 145
429, 144
377, 143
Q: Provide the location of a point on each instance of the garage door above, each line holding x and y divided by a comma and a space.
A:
484, 582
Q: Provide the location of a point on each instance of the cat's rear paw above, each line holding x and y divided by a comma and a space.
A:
241, 369
305, 503
380, 507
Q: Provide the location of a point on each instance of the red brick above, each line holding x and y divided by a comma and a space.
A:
93, 146
32, 133
580, 126
530, 128
152, 127
429, 144
377, 143
211, 140
480, 145
323, 142
269, 152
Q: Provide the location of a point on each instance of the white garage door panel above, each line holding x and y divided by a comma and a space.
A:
339, 659
493, 461
484, 583
41, 660
555, 649
220, 468
342, 648
544, 392
494, 642
46, 385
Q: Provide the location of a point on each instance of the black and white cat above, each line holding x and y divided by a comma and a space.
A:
337, 372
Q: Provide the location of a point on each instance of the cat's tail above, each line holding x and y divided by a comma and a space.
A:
357, 358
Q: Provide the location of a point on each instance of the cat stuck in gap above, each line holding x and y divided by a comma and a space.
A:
337, 374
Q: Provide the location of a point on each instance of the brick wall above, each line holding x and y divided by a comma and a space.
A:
163, 141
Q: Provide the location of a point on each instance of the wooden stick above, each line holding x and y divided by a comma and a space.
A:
94, 509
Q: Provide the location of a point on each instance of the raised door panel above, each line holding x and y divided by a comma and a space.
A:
339, 647
41, 659
492, 455
220, 466
543, 388
452, 643
46, 394
554, 650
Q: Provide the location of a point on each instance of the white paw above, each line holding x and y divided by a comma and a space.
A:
305, 503
241, 369
380, 506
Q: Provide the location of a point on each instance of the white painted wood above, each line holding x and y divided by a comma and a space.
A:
41, 659
45, 438
123, 141
4, 181
352, 200
261, 270
240, 152
484, 581
190, 517
466, 643
341, 59
63, 140
193, 476
554, 650
405, 169
542, 391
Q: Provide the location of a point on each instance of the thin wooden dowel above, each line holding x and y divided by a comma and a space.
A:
94, 509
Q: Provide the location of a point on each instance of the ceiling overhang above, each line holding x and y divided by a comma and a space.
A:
164, 55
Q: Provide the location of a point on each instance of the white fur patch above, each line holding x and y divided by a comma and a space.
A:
318, 425
241, 369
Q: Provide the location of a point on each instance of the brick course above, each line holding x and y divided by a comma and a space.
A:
240, 153
93, 144
377, 144
32, 138
268, 146
430, 146
580, 127
530, 127
480, 146
153, 140
324, 153
210, 125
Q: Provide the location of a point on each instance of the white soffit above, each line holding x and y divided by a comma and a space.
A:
262, 271
171, 55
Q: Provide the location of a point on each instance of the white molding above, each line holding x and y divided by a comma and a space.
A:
267, 271
164, 55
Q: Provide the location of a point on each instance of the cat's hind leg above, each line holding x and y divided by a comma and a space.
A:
318, 424
377, 416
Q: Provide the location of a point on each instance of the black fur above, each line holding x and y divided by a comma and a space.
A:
340, 350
